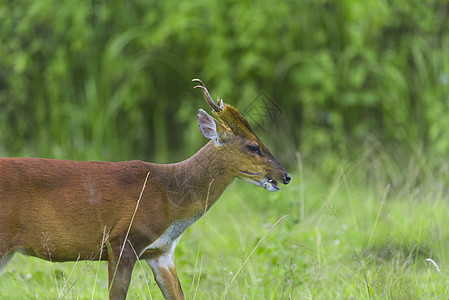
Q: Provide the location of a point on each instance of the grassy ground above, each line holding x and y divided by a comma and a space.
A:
353, 230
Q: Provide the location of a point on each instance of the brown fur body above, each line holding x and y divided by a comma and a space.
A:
52, 224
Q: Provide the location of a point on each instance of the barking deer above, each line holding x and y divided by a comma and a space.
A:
61, 210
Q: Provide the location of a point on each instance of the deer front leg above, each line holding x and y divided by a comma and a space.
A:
119, 276
164, 271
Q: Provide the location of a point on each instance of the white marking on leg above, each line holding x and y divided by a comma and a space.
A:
173, 233
5, 260
166, 260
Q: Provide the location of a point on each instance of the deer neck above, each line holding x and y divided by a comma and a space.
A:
195, 184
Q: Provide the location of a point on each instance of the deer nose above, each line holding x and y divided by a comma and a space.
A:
287, 178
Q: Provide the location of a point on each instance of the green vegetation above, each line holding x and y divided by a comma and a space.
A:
361, 89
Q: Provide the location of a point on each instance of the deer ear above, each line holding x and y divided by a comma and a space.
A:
208, 127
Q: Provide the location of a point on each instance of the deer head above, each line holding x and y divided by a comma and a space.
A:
243, 153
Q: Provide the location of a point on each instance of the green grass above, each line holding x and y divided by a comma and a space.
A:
355, 230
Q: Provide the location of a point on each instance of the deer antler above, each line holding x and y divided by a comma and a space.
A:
216, 107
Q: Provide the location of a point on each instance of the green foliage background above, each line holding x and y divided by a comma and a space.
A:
110, 80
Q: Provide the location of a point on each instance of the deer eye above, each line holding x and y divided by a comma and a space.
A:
255, 149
